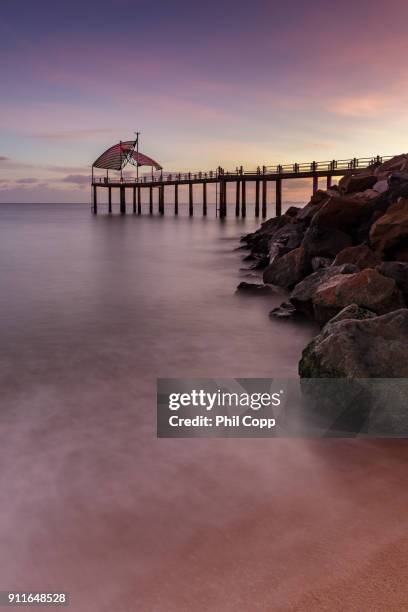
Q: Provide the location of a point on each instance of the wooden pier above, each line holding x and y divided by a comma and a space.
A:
261, 177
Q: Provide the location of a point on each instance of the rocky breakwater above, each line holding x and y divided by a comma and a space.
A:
343, 259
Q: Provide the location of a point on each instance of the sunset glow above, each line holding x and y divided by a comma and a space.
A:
206, 84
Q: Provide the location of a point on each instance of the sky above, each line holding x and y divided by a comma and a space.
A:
207, 84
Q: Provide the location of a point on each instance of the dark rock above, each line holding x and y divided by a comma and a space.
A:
261, 262
284, 311
357, 182
361, 232
307, 365
247, 274
361, 256
324, 242
368, 289
398, 164
384, 200
390, 231
352, 312
398, 270
320, 262
286, 239
316, 202
397, 179
292, 211
287, 270
342, 212
258, 241
351, 348
273, 224
304, 292
399, 253
254, 288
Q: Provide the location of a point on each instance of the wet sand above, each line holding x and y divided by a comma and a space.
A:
216, 525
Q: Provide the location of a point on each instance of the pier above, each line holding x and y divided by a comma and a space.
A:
261, 178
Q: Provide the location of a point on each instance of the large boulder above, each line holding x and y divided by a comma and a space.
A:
316, 202
400, 253
361, 256
360, 181
352, 348
351, 312
287, 270
324, 242
286, 239
307, 365
320, 262
343, 212
304, 292
368, 289
397, 188
258, 241
398, 270
381, 186
390, 231
293, 211
367, 194
399, 163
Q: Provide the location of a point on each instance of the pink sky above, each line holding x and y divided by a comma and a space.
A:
279, 84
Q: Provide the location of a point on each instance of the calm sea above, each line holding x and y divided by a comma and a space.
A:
92, 311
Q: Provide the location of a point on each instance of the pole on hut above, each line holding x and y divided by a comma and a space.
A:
137, 155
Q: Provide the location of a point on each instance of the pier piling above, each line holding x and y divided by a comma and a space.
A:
176, 210
110, 200
257, 199
278, 201
204, 199
264, 194
161, 200
237, 198
243, 203
139, 201
190, 200
223, 199
95, 201
122, 201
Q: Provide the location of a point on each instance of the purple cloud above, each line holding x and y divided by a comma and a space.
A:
27, 181
84, 134
76, 179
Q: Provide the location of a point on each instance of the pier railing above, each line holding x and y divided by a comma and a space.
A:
279, 169
260, 178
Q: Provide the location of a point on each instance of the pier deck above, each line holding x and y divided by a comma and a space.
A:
261, 177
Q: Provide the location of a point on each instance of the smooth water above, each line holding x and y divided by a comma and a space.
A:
92, 311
